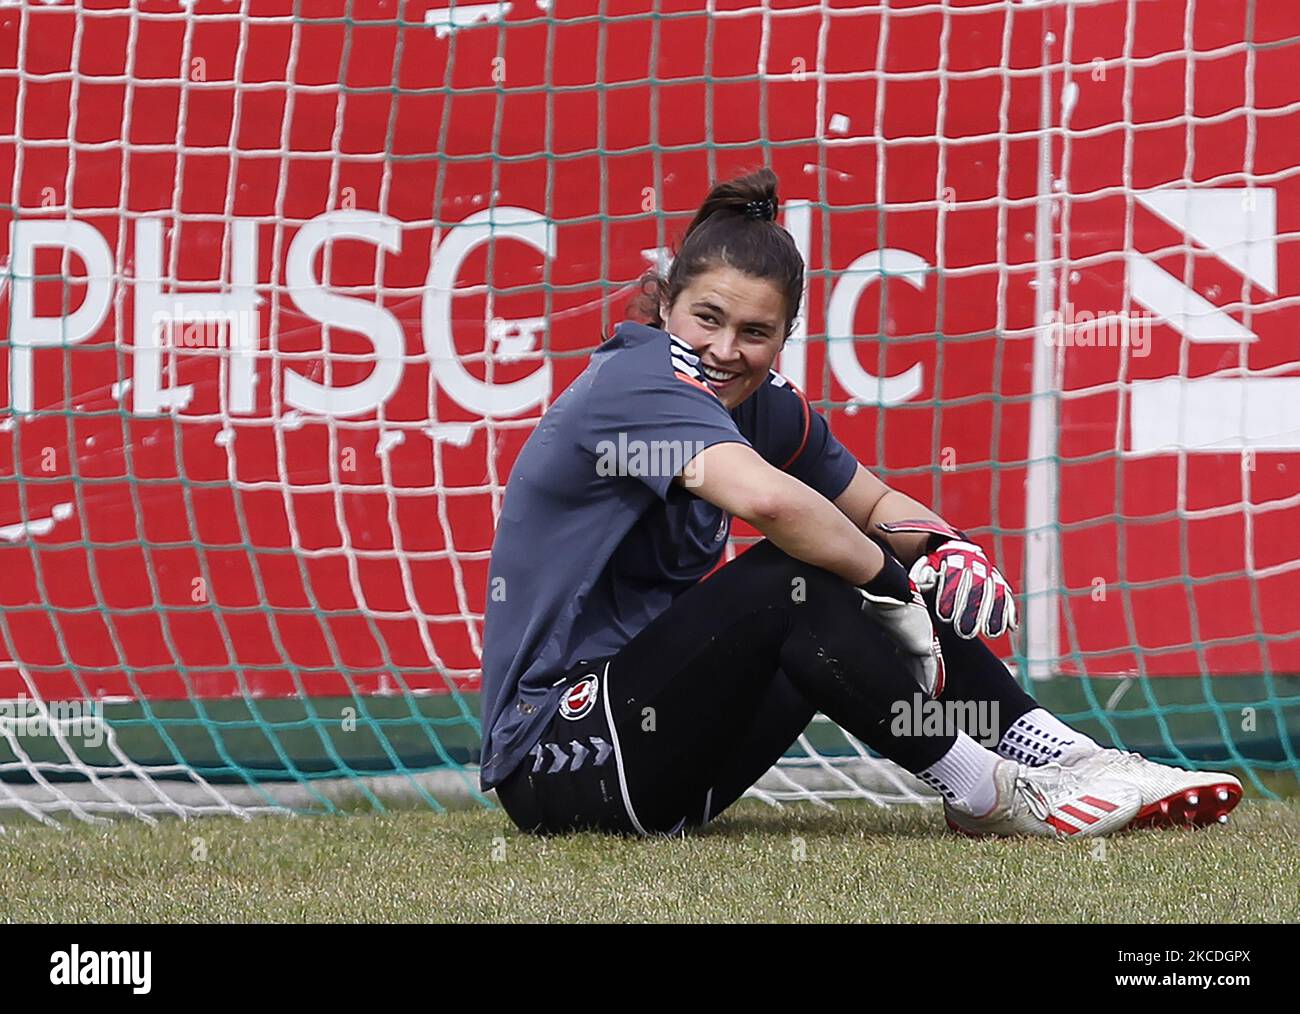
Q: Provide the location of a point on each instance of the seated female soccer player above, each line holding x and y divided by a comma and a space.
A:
624, 691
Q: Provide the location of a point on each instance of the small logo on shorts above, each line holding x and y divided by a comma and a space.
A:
580, 698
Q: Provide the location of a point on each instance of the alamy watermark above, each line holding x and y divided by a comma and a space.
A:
924, 716
22, 716
77, 967
1086, 329
181, 327
647, 458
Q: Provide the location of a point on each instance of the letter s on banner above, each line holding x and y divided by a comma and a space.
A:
373, 321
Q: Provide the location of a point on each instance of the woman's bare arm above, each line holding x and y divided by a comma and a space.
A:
797, 518
868, 500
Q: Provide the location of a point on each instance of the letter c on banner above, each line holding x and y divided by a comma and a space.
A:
469, 392
865, 387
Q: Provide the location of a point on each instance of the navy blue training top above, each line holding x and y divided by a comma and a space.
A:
595, 540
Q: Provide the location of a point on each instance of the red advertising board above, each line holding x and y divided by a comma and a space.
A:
286, 293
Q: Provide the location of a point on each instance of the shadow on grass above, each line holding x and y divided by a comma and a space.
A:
854, 819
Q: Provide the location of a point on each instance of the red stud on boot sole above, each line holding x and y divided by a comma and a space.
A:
1199, 807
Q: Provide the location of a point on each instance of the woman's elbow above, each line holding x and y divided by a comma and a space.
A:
768, 508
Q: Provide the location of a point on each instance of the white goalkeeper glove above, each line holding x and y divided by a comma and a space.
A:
893, 600
970, 593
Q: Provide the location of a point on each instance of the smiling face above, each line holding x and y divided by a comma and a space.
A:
736, 325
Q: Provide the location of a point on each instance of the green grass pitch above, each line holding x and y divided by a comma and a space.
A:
755, 864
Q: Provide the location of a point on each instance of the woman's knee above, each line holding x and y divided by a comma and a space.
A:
793, 579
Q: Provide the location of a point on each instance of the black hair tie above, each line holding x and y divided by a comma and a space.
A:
763, 211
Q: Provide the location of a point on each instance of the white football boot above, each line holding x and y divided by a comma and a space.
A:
1171, 797
1051, 802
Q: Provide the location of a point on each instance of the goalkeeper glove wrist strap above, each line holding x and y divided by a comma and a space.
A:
892, 582
939, 532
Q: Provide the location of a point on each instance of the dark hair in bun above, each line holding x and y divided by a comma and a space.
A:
735, 227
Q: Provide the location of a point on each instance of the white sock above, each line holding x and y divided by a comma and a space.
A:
965, 776
1038, 737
